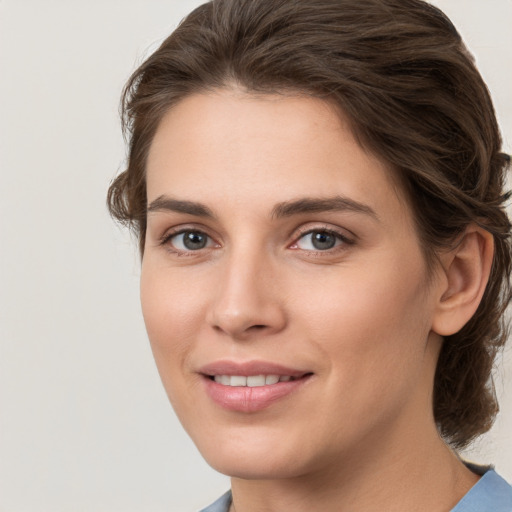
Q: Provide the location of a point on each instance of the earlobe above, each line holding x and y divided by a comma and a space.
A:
466, 271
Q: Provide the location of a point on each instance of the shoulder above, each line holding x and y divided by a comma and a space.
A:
490, 494
221, 505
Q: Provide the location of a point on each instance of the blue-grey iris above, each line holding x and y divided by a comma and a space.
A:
322, 240
193, 240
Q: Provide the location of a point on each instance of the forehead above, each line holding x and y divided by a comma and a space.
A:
243, 149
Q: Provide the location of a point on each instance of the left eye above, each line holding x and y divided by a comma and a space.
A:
319, 240
190, 241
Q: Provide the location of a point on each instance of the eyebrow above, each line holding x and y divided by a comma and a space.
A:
280, 210
317, 205
164, 203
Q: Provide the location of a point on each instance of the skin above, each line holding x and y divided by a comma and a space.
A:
362, 317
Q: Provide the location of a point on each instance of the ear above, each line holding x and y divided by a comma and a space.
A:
465, 273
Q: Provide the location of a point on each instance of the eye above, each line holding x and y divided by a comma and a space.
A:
189, 240
319, 240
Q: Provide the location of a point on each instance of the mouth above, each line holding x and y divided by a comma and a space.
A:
251, 386
252, 381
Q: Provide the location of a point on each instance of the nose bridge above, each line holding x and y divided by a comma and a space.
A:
246, 299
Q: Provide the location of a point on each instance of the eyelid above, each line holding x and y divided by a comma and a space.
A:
165, 239
339, 233
346, 237
168, 232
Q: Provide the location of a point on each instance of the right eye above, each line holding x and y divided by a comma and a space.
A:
189, 240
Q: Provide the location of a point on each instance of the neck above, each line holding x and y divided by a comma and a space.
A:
408, 473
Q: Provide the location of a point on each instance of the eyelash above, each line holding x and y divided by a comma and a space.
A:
341, 240
167, 238
339, 237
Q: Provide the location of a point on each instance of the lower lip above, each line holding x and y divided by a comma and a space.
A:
251, 399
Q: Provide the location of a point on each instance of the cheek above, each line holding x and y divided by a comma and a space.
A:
172, 308
371, 323
373, 342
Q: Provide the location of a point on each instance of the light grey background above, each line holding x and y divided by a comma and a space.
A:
84, 422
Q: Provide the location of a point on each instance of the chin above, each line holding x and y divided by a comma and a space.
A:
253, 460
254, 468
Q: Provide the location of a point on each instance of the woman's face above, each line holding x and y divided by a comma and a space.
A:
283, 287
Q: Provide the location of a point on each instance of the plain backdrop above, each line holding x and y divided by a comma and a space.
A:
84, 422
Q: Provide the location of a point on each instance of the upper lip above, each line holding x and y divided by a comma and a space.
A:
248, 368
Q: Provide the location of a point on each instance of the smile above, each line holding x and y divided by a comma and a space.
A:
251, 381
252, 386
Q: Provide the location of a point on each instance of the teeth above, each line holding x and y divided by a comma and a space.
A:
237, 380
256, 380
271, 379
251, 381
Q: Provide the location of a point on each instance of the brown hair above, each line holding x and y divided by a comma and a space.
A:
401, 73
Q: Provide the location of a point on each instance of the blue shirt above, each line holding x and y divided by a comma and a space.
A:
490, 494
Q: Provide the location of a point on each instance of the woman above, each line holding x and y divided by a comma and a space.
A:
317, 188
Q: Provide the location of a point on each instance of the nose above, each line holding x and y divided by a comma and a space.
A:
248, 301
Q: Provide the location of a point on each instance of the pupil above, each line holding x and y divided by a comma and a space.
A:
193, 240
323, 241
